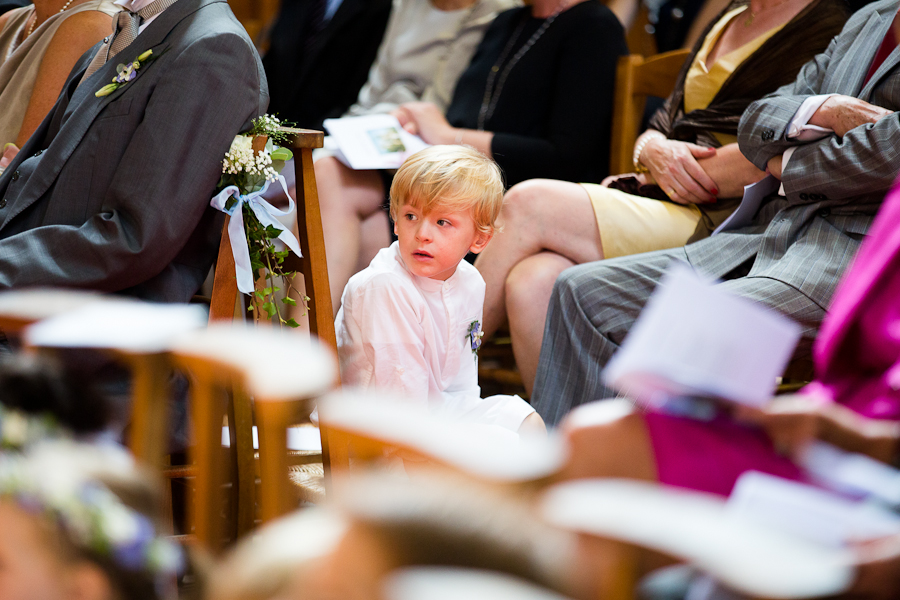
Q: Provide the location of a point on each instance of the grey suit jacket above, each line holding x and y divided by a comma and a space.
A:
833, 186
112, 193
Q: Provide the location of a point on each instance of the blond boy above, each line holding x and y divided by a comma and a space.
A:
411, 321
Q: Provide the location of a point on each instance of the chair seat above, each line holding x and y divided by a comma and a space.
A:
486, 452
20, 308
309, 482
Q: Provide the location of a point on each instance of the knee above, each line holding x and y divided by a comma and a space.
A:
522, 203
574, 282
531, 278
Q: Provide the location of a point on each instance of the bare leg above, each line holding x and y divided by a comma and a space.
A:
528, 290
376, 234
347, 198
538, 215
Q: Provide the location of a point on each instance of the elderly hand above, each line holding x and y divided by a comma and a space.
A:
673, 165
843, 113
427, 121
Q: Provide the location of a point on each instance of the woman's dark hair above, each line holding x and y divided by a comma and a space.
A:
39, 384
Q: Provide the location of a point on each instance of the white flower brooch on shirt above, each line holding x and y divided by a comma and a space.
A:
474, 335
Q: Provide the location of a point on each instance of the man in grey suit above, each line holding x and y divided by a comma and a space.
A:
839, 155
112, 193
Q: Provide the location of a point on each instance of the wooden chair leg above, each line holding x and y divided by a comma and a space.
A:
315, 274
149, 424
273, 419
242, 424
208, 414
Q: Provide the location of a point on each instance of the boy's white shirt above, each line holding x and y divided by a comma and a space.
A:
401, 332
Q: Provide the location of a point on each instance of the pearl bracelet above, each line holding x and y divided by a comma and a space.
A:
648, 135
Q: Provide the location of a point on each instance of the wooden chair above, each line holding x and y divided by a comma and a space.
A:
284, 373
312, 265
369, 426
21, 308
637, 78
695, 528
131, 331
312, 244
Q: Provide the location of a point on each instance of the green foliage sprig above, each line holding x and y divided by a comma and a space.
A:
249, 170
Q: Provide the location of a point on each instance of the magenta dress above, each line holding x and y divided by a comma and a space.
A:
857, 363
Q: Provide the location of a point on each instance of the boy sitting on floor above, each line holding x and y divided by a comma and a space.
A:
411, 321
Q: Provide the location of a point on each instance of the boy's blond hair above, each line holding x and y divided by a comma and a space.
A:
454, 178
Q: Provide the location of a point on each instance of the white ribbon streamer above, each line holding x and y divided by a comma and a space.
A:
266, 214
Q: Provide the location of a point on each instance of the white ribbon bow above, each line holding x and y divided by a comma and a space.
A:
266, 214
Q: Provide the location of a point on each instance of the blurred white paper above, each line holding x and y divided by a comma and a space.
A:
120, 324
754, 194
809, 512
372, 141
695, 339
851, 473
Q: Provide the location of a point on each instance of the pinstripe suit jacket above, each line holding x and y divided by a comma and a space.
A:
833, 186
112, 193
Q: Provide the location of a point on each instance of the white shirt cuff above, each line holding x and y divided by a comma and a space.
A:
799, 127
785, 157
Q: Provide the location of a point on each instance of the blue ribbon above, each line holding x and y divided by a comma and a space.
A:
266, 214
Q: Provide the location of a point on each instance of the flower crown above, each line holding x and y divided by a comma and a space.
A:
95, 519
19, 429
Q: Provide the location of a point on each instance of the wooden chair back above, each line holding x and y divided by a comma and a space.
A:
312, 265
312, 245
370, 426
284, 373
636, 78
61, 319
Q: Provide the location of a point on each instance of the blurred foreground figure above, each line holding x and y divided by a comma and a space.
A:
382, 524
82, 523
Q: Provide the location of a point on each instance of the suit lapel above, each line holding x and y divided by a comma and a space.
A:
864, 49
886, 67
87, 107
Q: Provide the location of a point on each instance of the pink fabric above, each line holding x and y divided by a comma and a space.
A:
857, 362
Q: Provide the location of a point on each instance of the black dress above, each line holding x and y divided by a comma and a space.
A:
552, 118
313, 80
